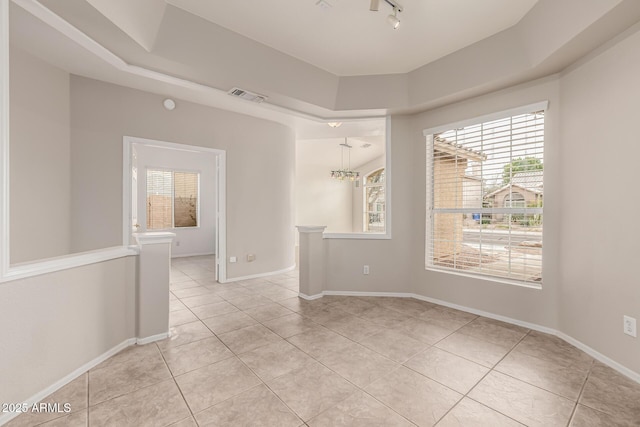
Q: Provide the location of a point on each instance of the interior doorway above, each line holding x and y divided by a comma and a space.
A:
178, 188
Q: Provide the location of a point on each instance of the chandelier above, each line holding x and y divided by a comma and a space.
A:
347, 174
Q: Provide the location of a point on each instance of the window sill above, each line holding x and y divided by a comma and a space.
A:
170, 229
537, 286
358, 236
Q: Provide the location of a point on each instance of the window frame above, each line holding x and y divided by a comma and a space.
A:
365, 200
508, 200
173, 196
388, 194
428, 134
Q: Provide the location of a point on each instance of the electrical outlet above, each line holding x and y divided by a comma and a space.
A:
630, 326
365, 269
233, 259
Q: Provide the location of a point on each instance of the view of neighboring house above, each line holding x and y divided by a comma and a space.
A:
524, 190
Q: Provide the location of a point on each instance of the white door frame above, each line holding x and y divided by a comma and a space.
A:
221, 162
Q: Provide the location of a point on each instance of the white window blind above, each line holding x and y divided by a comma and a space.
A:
485, 198
172, 199
159, 199
185, 204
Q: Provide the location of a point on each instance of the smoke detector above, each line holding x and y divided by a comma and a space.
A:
246, 95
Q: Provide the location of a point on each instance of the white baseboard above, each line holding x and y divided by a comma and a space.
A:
600, 357
152, 338
5, 418
367, 294
505, 319
257, 276
574, 342
188, 255
309, 297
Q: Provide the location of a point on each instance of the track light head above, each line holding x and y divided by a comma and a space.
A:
393, 19
374, 5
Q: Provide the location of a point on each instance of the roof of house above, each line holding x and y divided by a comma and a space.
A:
449, 147
528, 181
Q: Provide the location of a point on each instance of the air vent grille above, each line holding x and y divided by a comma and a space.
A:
246, 95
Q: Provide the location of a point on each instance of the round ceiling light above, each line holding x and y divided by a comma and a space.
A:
335, 124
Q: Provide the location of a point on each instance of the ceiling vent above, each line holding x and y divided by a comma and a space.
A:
246, 95
324, 4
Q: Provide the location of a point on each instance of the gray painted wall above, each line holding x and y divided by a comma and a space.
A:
390, 261
55, 323
530, 305
599, 233
590, 238
40, 160
260, 169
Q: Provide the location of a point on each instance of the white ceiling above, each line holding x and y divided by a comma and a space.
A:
32, 35
347, 39
196, 60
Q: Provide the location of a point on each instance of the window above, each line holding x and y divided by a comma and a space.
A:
485, 199
172, 199
514, 200
374, 204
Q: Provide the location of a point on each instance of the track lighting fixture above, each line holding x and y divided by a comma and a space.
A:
392, 19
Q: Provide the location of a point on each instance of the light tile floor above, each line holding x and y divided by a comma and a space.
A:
252, 353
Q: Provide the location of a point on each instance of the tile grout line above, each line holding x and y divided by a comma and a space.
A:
250, 370
358, 388
537, 386
129, 392
400, 364
133, 391
389, 373
381, 402
176, 383
584, 384
466, 395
